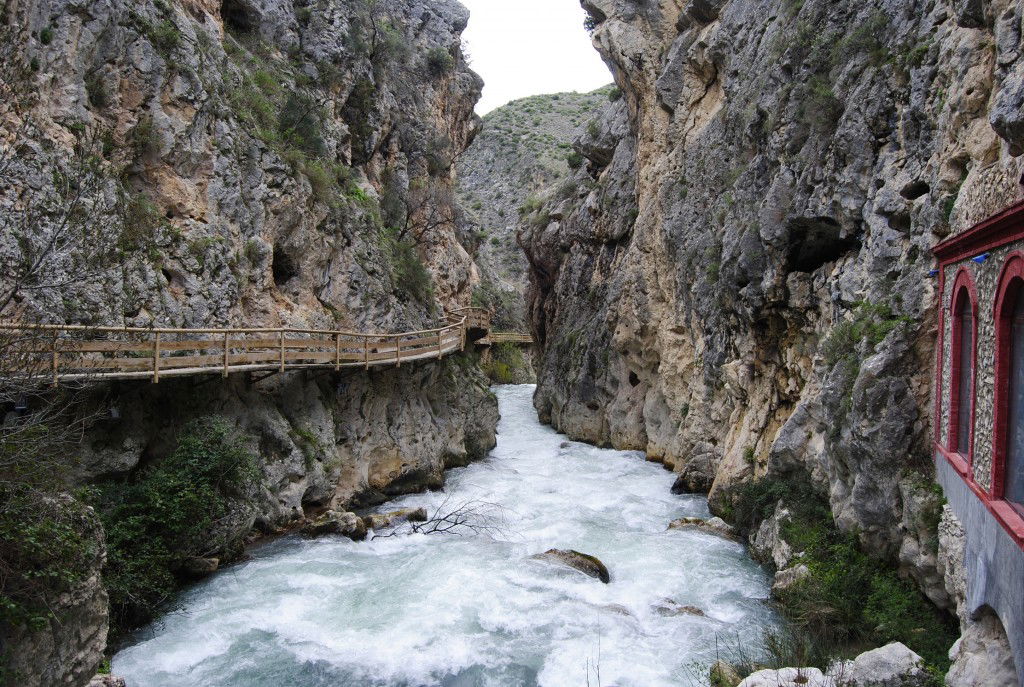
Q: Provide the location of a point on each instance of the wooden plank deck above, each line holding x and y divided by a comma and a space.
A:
58, 353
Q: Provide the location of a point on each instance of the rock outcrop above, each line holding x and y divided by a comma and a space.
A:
333, 522
743, 291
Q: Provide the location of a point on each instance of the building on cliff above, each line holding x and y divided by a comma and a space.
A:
979, 411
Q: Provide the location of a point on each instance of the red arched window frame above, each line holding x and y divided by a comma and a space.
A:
1011, 287
964, 295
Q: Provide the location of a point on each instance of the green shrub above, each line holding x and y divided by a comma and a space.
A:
95, 90
851, 600
46, 35
615, 94
164, 36
506, 364
820, 109
574, 159
300, 125
358, 115
43, 552
872, 322
439, 61
164, 515
408, 274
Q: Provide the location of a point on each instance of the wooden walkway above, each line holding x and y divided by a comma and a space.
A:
59, 353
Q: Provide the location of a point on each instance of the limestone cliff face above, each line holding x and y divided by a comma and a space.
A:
290, 175
272, 142
275, 163
744, 288
522, 153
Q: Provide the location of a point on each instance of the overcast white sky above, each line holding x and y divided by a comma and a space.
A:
528, 47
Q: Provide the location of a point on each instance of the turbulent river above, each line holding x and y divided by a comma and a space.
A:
475, 610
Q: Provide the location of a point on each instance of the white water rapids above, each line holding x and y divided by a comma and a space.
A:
475, 611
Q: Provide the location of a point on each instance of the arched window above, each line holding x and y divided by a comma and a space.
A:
1008, 463
961, 402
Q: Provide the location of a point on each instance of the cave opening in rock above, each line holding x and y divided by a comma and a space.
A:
816, 241
283, 266
237, 16
915, 190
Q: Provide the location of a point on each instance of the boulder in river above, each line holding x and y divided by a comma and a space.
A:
711, 526
379, 521
668, 608
337, 522
585, 563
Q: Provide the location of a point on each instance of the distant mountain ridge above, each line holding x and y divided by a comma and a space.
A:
522, 152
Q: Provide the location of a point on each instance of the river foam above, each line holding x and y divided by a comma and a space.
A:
475, 611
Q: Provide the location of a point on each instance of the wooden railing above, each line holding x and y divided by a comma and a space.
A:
476, 318
505, 337
58, 353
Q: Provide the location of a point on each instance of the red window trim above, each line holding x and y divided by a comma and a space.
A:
1003, 228
998, 230
963, 283
1011, 277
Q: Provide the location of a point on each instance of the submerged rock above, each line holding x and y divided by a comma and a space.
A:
711, 526
617, 609
335, 522
379, 521
585, 563
668, 608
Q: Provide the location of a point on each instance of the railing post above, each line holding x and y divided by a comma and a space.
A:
398, 351
281, 335
156, 359
440, 340
227, 352
56, 358
337, 352
366, 351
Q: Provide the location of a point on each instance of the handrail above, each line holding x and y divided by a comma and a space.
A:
68, 352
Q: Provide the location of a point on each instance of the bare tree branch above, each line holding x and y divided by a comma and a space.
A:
467, 518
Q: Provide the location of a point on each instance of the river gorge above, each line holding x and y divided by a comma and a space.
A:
475, 609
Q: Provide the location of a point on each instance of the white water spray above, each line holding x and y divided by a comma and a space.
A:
475, 611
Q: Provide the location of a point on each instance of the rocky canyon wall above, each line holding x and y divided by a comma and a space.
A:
249, 163
741, 285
